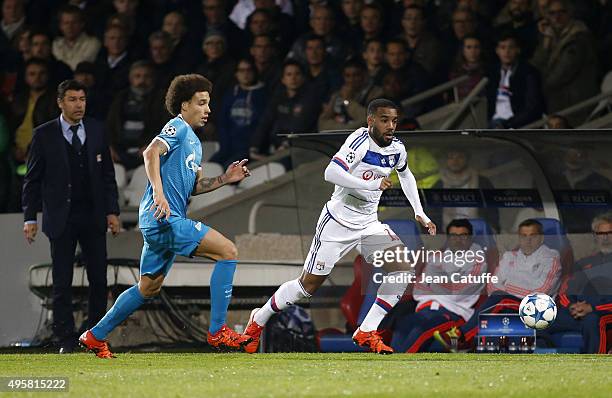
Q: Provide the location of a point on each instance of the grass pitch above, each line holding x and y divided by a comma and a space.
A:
317, 375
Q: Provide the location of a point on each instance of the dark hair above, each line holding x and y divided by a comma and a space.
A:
183, 88
249, 60
293, 62
530, 222
380, 103
354, 62
376, 7
312, 37
85, 67
566, 123
69, 85
508, 35
71, 9
397, 40
415, 7
142, 63
36, 61
373, 40
460, 223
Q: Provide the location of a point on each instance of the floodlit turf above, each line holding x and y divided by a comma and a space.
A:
310, 375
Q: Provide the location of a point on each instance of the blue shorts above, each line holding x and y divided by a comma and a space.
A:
178, 236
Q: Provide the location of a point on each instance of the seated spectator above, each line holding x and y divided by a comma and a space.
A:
395, 88
113, 61
321, 75
218, 67
567, 60
166, 66
98, 99
216, 18
470, 62
75, 46
372, 23
587, 296
346, 109
13, 21
577, 173
182, 48
135, 116
374, 56
294, 108
523, 25
463, 24
424, 47
558, 122
265, 55
533, 267
241, 110
416, 77
349, 26
457, 173
322, 23
513, 92
40, 47
244, 8
262, 22
135, 19
440, 306
32, 106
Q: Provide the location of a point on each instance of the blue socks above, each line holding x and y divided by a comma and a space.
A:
127, 302
221, 282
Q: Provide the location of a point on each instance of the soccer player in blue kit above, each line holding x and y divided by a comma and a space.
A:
172, 162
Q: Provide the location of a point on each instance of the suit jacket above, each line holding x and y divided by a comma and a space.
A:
47, 183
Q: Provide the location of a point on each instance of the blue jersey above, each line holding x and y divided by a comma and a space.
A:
178, 169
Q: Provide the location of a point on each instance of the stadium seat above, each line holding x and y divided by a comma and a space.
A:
485, 237
207, 199
136, 187
262, 174
211, 169
209, 148
556, 238
408, 231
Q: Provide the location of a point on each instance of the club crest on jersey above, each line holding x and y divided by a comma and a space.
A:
320, 265
350, 158
191, 164
391, 160
169, 130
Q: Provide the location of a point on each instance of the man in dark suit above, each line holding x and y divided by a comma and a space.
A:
71, 176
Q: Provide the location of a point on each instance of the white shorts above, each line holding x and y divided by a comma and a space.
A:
333, 240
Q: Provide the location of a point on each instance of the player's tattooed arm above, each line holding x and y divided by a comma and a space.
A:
206, 184
151, 156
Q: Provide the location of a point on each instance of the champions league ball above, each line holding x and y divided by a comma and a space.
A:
538, 311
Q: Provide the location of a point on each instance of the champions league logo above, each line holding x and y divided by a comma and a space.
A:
350, 158
169, 130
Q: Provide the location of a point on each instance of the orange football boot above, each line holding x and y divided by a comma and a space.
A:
371, 340
98, 347
253, 330
227, 338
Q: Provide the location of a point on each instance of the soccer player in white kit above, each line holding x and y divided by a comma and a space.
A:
360, 170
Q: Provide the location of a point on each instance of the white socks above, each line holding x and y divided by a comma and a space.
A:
389, 293
287, 294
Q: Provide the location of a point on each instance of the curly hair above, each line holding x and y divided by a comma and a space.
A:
183, 88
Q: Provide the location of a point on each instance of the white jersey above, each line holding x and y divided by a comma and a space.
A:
363, 158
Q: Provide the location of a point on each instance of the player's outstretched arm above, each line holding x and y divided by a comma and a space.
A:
409, 186
235, 172
151, 157
338, 176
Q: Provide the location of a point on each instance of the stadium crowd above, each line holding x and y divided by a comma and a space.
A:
281, 66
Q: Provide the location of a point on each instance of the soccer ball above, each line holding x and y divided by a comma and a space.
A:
538, 311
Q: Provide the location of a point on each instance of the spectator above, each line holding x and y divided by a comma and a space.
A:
135, 21
75, 46
556, 121
397, 58
395, 88
587, 296
457, 173
268, 19
320, 74
464, 24
514, 90
523, 25
32, 106
533, 267
98, 99
113, 61
215, 16
265, 55
242, 108
293, 108
424, 47
371, 21
218, 67
470, 62
322, 24
166, 66
13, 21
40, 47
244, 8
374, 56
182, 49
567, 60
442, 305
135, 116
78, 202
349, 26
346, 109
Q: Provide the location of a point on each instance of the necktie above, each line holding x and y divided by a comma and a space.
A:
76, 142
